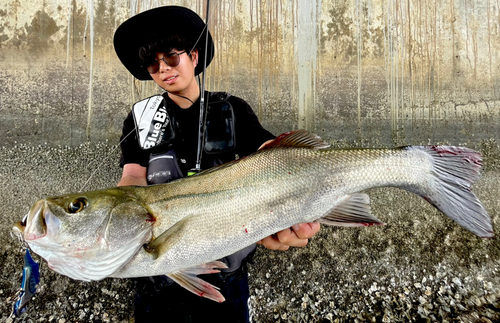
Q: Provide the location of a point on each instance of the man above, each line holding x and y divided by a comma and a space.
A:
167, 45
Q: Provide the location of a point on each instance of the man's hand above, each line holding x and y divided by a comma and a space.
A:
296, 236
133, 174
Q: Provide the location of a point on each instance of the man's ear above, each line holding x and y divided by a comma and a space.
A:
194, 57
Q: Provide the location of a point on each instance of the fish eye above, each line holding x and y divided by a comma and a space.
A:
77, 205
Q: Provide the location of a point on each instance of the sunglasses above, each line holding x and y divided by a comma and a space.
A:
171, 59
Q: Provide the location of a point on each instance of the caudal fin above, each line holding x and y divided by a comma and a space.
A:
454, 171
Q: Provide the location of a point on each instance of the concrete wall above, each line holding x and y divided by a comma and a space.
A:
358, 73
405, 72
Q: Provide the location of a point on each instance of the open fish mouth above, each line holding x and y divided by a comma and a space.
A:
38, 222
20, 226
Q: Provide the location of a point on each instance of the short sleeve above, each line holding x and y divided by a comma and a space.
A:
250, 134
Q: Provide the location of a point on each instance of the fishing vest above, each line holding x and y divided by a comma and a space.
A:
163, 166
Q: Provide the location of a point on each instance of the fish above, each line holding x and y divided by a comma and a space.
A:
181, 229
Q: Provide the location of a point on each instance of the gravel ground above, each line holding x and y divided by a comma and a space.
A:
420, 267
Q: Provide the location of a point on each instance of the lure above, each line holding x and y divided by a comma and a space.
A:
31, 278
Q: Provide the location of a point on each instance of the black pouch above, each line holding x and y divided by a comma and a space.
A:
219, 125
163, 167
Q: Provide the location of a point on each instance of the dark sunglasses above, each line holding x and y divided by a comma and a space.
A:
171, 59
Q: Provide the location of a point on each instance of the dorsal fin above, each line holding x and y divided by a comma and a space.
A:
293, 139
297, 139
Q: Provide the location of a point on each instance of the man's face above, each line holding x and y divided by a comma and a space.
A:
176, 79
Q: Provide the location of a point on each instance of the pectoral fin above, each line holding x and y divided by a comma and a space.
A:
187, 279
167, 239
353, 211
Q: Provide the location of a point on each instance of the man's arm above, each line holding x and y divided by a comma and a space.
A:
133, 174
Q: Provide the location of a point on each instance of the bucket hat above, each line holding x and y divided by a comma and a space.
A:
131, 34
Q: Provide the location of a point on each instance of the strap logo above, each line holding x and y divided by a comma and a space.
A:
152, 120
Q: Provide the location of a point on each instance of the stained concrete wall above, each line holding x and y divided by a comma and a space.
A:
360, 73
405, 72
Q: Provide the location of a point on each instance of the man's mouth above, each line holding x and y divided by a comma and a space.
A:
171, 79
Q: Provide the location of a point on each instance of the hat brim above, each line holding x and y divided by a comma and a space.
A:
130, 35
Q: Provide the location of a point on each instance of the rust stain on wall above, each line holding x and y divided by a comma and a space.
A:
34, 36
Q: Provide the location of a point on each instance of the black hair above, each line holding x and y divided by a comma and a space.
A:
163, 44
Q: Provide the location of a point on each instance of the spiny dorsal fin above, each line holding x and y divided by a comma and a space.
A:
297, 139
293, 139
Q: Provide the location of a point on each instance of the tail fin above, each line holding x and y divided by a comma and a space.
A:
455, 169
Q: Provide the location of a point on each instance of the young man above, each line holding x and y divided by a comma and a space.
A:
167, 45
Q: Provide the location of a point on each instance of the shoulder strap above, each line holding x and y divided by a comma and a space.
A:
219, 96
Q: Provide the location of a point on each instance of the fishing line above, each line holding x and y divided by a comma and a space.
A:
106, 158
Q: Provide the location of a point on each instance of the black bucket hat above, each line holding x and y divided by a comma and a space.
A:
131, 34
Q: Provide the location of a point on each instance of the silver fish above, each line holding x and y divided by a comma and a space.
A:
180, 229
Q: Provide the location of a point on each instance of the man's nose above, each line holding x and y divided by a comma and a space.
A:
163, 65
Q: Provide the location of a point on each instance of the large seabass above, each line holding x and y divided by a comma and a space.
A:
181, 228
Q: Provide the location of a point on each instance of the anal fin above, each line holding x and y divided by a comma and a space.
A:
353, 211
187, 279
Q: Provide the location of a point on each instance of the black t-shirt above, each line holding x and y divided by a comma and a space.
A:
249, 133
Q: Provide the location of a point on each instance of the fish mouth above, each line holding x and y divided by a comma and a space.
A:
19, 227
34, 225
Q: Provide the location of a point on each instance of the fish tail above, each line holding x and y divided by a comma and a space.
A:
453, 171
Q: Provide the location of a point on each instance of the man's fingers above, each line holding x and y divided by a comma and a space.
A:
273, 243
290, 238
306, 230
296, 236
